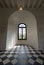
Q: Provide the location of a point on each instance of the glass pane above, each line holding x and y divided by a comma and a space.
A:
24, 33
20, 33
22, 25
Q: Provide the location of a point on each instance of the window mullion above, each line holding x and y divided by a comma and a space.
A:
22, 33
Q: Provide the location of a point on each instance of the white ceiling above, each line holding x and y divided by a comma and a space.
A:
24, 3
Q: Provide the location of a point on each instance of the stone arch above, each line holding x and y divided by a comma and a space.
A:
13, 21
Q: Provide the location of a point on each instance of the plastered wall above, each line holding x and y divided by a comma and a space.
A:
12, 31
4, 15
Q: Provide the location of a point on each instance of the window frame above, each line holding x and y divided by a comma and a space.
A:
22, 31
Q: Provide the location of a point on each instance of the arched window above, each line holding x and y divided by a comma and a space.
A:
22, 31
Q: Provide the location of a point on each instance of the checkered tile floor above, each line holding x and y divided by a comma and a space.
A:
22, 55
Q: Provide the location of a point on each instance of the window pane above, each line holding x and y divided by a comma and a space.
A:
22, 25
20, 33
24, 33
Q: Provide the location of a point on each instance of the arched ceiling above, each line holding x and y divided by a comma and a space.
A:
25, 3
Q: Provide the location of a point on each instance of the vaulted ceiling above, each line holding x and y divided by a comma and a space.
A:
23, 3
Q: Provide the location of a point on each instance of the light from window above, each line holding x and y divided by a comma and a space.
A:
21, 25
22, 33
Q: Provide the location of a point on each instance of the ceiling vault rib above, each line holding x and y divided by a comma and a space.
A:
5, 4
26, 4
1, 5
42, 5
31, 1
10, 2
39, 3
34, 3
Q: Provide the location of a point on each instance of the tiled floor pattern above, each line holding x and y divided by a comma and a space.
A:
22, 55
